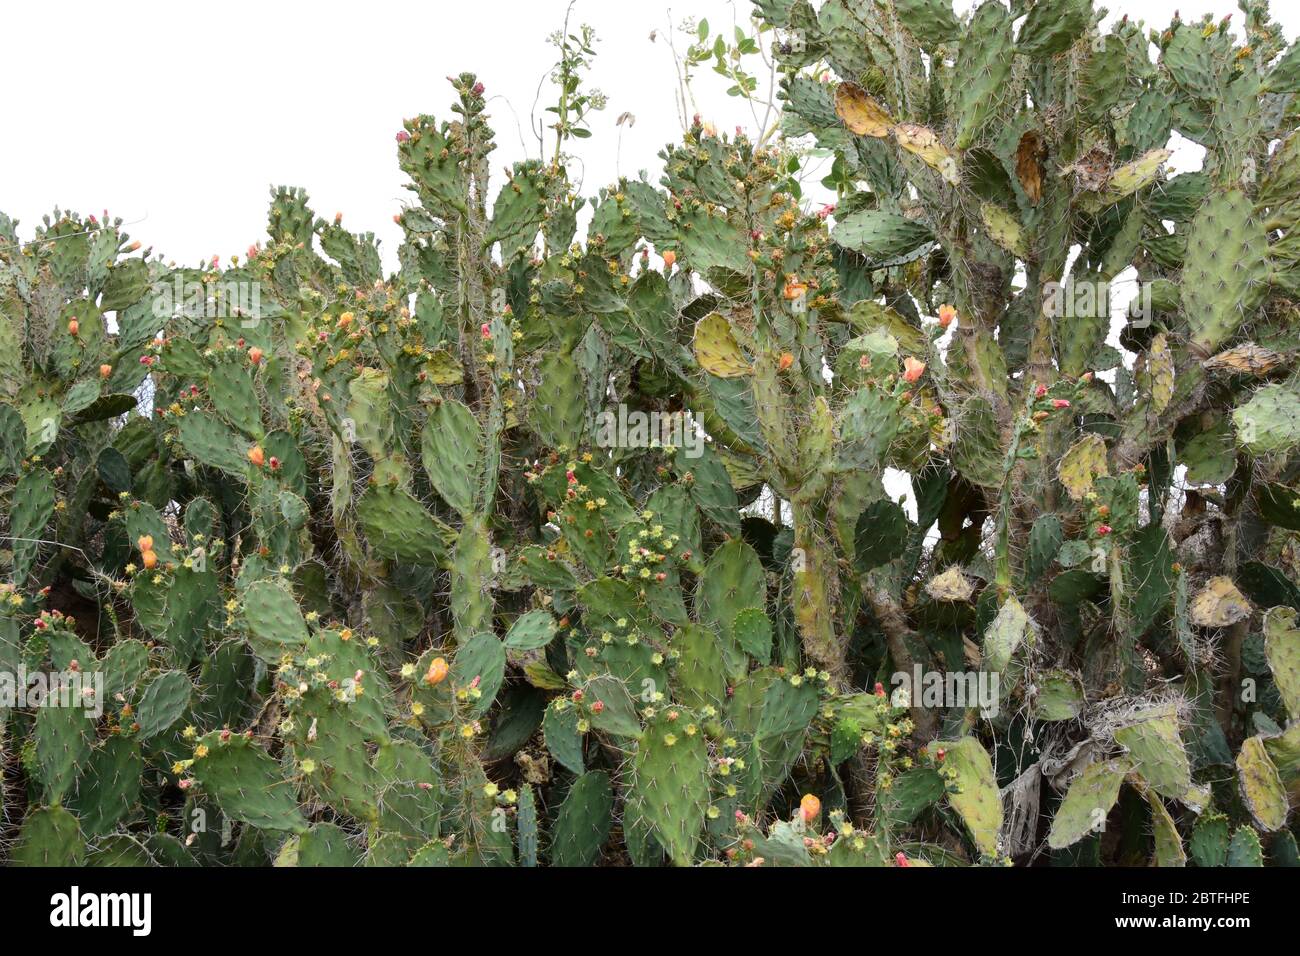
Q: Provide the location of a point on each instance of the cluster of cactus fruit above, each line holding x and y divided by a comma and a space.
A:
359, 580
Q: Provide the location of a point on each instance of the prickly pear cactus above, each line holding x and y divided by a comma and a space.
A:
730, 529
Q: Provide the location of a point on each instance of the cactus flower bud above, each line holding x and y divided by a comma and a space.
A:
1060, 403
150, 560
255, 355
256, 456
105, 371
73, 327
913, 369
144, 542
403, 136
1040, 391
900, 859
947, 315
670, 257
786, 360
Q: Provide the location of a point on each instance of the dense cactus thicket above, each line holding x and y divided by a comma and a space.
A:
541, 550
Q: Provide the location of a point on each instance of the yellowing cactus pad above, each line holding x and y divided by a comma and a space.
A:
1083, 464
1218, 604
716, 348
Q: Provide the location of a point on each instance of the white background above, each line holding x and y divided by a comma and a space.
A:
178, 116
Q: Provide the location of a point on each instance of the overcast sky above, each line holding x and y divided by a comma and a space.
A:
178, 116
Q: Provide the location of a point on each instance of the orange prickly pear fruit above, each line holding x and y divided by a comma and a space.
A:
810, 808
437, 672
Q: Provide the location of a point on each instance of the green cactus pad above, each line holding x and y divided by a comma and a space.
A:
984, 63
1269, 423
64, 733
670, 781
1052, 26
397, 526
1087, 803
732, 581
213, 444
531, 631
1209, 841
559, 413
1282, 646
881, 236
109, 786
1169, 845
452, 449
976, 799
1005, 634
584, 821
930, 21
275, 625
246, 783
1244, 848
163, 702
50, 837
1156, 751
32, 507
1225, 269
563, 740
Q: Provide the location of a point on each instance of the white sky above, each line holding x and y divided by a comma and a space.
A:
178, 116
